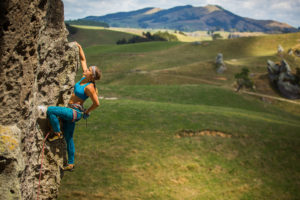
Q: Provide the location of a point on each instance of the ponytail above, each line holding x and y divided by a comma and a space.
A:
97, 74
95, 87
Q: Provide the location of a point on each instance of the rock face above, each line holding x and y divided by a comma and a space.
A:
38, 67
284, 80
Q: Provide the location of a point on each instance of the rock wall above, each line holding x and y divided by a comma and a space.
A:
37, 67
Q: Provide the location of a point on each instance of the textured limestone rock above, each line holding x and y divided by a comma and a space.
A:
11, 162
38, 67
280, 49
284, 80
220, 64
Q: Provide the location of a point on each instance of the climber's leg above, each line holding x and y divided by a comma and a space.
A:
53, 112
68, 128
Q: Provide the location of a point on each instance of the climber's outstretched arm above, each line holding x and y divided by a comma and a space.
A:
82, 58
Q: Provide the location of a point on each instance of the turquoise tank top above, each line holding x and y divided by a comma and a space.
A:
79, 89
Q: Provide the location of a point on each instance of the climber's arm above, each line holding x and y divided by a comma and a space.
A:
82, 58
91, 92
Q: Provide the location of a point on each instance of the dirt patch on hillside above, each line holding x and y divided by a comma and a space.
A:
221, 78
193, 133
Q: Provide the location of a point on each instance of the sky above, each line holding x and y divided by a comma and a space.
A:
286, 11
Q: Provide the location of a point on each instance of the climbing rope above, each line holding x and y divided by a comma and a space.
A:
38, 191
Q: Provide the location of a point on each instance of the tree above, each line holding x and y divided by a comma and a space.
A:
243, 79
216, 36
210, 33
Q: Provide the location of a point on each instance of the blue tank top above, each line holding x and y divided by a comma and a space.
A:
79, 89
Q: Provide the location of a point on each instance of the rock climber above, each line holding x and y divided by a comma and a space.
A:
83, 89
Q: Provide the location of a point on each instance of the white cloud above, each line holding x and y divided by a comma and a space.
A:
284, 11
282, 5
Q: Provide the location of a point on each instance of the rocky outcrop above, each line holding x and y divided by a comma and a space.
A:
280, 49
38, 67
220, 64
281, 76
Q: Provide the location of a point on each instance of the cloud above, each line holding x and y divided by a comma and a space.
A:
284, 11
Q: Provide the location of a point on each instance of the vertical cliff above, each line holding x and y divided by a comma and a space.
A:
37, 67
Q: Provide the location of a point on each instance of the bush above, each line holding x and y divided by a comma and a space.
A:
216, 36
122, 41
164, 36
134, 39
182, 33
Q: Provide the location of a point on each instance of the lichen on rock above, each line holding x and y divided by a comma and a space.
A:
38, 67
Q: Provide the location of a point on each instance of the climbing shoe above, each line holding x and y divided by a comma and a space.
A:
69, 168
56, 136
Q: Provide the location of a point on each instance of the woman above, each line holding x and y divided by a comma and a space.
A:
82, 90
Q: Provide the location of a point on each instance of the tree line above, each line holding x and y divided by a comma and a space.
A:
147, 37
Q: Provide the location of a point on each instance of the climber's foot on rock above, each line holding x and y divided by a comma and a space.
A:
56, 136
42, 110
69, 168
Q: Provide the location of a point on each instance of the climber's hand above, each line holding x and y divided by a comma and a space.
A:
85, 115
77, 44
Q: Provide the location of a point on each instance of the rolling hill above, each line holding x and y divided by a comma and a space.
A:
189, 18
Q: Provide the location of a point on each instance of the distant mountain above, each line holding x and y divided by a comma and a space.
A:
189, 18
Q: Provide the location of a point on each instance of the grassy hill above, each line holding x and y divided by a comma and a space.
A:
92, 35
187, 63
132, 147
176, 130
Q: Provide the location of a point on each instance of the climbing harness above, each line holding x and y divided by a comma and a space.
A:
38, 191
79, 107
74, 115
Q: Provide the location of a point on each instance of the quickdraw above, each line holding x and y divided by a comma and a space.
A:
73, 106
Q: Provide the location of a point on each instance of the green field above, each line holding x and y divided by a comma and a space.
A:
134, 146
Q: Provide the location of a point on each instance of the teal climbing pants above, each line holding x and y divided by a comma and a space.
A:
68, 123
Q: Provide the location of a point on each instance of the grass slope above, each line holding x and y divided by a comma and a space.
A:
90, 37
131, 150
186, 63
